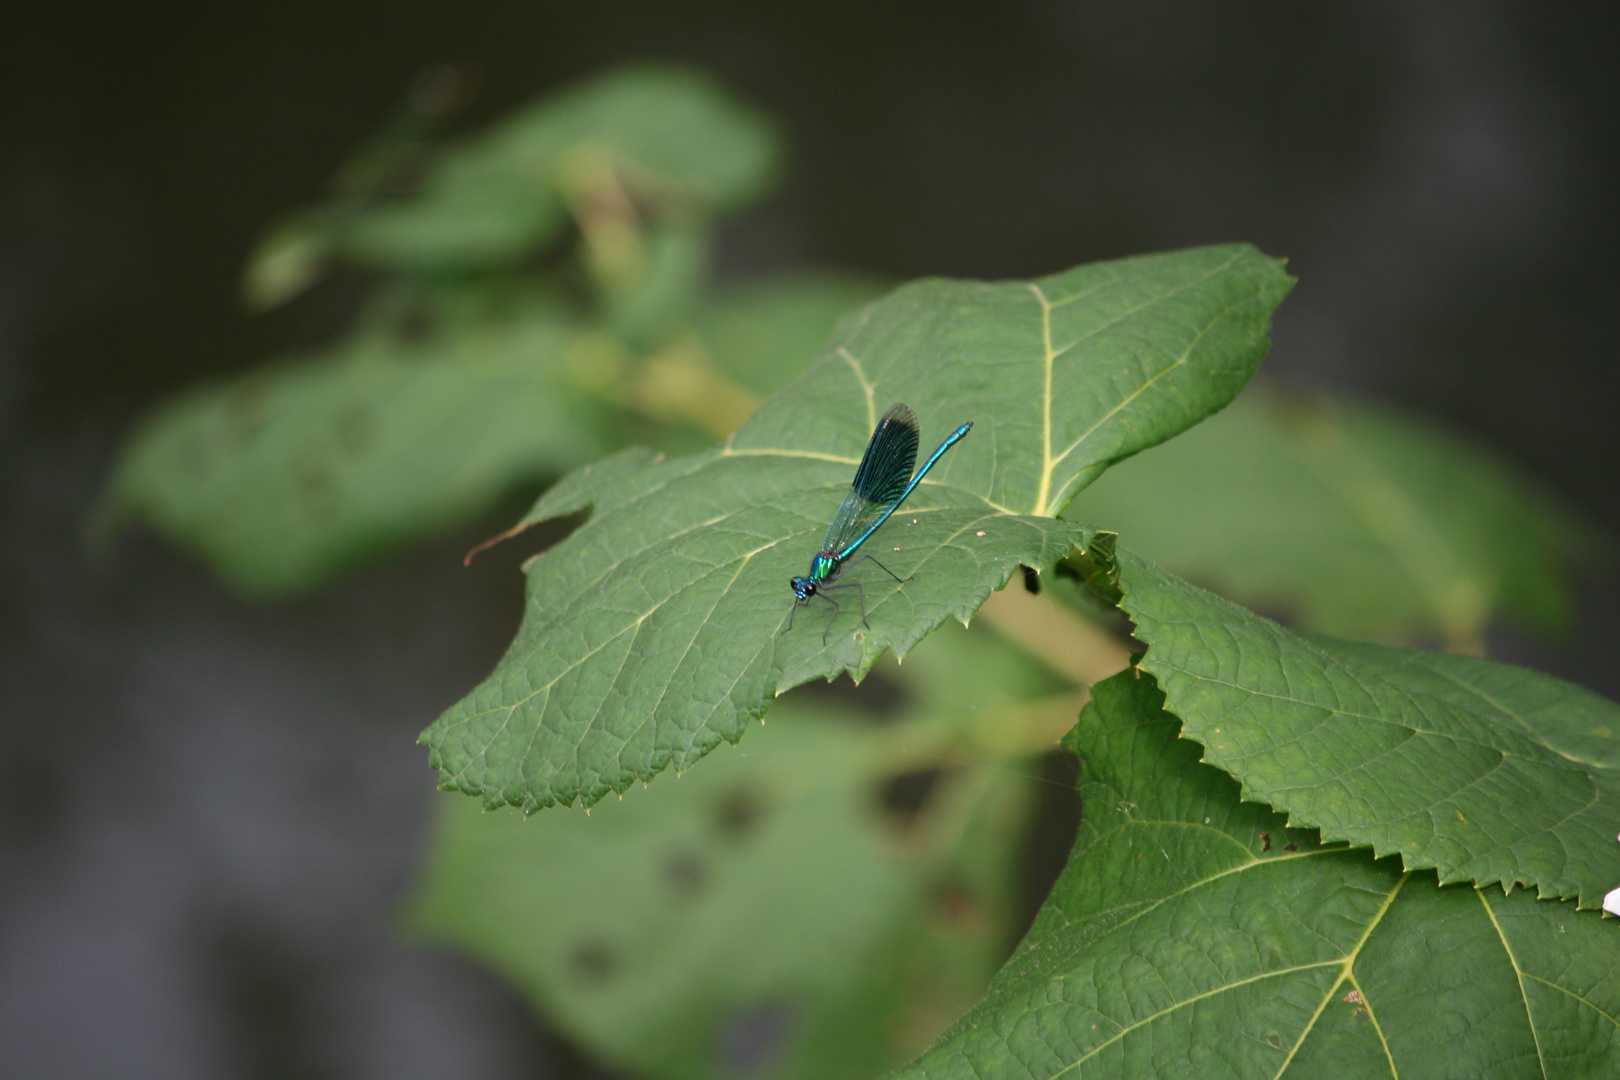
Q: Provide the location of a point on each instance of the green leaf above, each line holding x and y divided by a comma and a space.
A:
777, 886
292, 473
655, 632
1360, 521
1195, 935
1487, 773
673, 136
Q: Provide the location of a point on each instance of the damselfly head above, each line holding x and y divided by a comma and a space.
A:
803, 589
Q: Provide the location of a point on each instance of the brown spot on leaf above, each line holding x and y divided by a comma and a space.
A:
686, 873
739, 813
957, 907
904, 796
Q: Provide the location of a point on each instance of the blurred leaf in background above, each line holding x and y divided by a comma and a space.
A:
659, 142
294, 472
544, 298
820, 903
826, 901
1349, 518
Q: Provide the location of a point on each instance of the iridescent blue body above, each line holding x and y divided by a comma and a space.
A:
882, 482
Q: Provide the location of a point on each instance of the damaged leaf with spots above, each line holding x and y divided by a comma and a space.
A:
479, 367
820, 902
1194, 934
292, 474
659, 629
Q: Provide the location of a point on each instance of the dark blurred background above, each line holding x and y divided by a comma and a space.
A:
208, 811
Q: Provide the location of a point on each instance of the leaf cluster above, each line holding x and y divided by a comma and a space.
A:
1344, 884
1298, 855
539, 295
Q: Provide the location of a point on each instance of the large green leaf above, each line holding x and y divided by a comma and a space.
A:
1194, 935
1485, 772
656, 631
1356, 520
674, 137
290, 474
789, 892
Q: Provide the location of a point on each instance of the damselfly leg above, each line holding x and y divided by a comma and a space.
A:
839, 584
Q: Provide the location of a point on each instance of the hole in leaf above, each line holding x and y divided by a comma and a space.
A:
752, 1043
1275, 1040
686, 873
414, 324
739, 813
905, 796
592, 962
